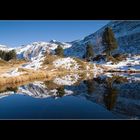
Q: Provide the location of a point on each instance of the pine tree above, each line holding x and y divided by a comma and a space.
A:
7, 55
2, 54
109, 41
13, 54
59, 51
89, 52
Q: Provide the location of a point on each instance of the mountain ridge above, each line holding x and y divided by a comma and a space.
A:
127, 34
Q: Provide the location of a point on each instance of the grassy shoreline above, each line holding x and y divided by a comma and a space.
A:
36, 75
24, 77
30, 76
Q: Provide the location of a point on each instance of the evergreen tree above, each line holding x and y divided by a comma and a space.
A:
7, 55
2, 54
59, 51
13, 54
109, 41
89, 52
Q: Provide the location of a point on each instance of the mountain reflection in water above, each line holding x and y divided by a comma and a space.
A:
116, 95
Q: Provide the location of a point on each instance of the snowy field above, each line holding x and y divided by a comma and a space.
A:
130, 64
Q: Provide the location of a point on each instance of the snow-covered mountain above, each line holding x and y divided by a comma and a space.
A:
126, 32
37, 49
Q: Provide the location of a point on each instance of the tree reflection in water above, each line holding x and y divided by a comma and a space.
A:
111, 92
90, 86
110, 98
60, 91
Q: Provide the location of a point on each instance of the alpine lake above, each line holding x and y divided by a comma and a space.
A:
107, 96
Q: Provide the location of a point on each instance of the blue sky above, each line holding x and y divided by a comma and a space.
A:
15, 33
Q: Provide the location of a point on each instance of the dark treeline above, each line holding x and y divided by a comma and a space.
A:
7, 55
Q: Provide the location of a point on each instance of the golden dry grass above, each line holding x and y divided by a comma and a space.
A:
30, 74
51, 85
83, 64
50, 58
8, 66
48, 61
14, 85
24, 77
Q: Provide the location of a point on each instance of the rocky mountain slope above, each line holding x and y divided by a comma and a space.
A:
37, 49
126, 32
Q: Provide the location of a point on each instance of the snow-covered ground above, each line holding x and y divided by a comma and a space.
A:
66, 63
127, 34
35, 64
12, 73
131, 63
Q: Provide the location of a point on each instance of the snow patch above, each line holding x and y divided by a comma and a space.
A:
66, 63
131, 63
67, 80
35, 63
12, 73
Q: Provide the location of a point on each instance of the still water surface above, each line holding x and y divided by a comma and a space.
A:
107, 96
